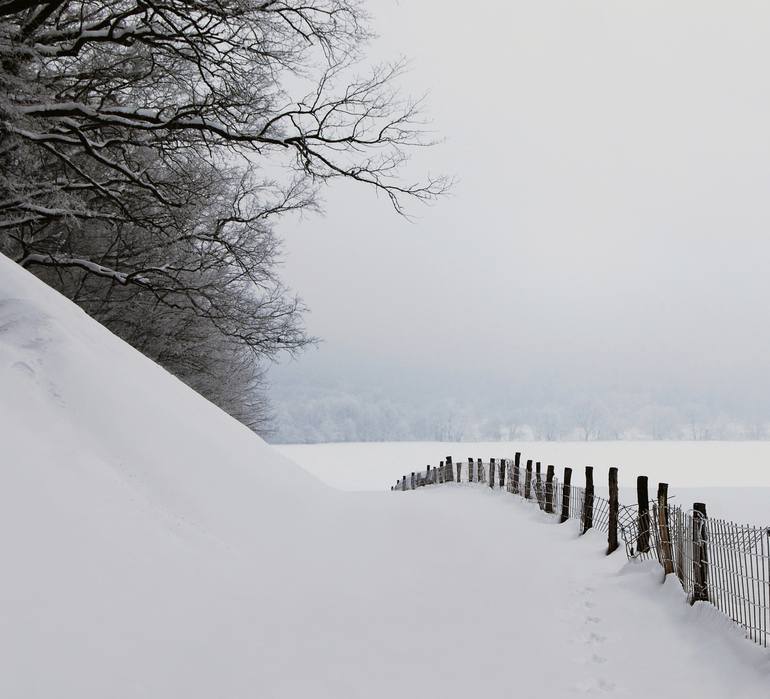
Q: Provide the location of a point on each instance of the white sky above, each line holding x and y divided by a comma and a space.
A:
611, 218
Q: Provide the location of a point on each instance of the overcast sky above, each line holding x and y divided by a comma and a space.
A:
610, 221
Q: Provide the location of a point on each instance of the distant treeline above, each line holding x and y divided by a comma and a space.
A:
338, 416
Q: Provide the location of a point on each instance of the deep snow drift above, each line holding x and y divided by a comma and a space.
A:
153, 547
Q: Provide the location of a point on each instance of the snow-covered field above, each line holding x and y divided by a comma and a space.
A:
732, 478
152, 547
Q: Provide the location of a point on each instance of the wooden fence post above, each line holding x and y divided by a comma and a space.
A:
700, 591
588, 500
403, 483
479, 471
528, 480
491, 473
412, 480
516, 462
664, 535
643, 501
459, 465
612, 534
565, 495
470, 470
538, 485
441, 472
450, 470
549, 489
502, 472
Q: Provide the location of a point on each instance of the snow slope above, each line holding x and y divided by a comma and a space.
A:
153, 547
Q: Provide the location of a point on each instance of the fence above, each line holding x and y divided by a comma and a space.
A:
716, 561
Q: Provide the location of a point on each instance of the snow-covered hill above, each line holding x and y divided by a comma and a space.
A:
152, 547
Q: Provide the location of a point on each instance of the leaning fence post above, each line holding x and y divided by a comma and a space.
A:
643, 501
664, 535
565, 495
502, 473
549, 489
528, 480
491, 473
612, 534
700, 591
588, 500
516, 462
450, 470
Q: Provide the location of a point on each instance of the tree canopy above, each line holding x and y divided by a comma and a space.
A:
147, 148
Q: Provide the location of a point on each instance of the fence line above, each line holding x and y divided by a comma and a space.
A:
716, 561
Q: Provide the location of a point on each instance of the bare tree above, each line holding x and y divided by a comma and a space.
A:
548, 424
588, 416
109, 106
144, 146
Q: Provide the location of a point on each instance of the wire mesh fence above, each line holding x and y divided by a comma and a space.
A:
716, 561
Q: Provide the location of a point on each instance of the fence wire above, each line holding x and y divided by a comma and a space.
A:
716, 561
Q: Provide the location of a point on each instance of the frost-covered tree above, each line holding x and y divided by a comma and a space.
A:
148, 146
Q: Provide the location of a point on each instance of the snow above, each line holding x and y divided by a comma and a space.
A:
88, 265
732, 478
153, 547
